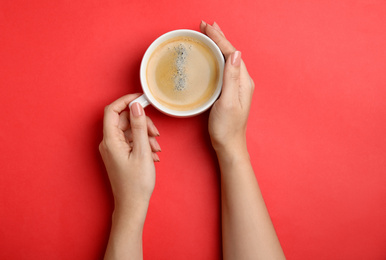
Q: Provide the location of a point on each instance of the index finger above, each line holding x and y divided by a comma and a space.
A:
218, 37
112, 111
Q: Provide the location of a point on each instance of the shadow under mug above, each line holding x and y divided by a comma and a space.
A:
148, 99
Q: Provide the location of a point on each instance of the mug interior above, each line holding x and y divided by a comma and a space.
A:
208, 42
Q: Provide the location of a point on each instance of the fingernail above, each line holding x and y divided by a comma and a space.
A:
203, 23
215, 25
236, 58
212, 26
158, 148
156, 131
136, 109
156, 158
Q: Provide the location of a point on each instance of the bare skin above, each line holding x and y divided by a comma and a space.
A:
247, 230
129, 150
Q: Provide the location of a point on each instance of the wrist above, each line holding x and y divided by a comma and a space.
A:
232, 152
132, 209
131, 196
230, 146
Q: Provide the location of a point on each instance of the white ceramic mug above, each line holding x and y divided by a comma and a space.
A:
147, 98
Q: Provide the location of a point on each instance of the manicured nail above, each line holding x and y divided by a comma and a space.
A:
156, 131
215, 25
236, 58
158, 148
203, 23
156, 158
136, 109
215, 28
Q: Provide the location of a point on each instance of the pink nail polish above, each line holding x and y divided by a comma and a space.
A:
156, 131
137, 109
236, 58
215, 25
215, 28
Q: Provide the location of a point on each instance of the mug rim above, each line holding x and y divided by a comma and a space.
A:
164, 37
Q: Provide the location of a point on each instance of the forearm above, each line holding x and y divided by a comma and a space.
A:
125, 240
247, 229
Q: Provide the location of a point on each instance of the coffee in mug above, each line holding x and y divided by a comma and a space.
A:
182, 73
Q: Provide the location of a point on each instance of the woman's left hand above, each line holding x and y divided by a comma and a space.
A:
129, 149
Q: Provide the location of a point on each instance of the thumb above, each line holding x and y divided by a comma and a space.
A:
139, 129
232, 76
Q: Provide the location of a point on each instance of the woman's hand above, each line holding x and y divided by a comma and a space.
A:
247, 230
129, 150
229, 115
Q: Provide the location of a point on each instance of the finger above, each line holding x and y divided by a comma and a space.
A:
129, 135
216, 26
252, 83
230, 89
152, 130
138, 125
217, 36
202, 26
124, 123
111, 114
155, 157
246, 82
155, 147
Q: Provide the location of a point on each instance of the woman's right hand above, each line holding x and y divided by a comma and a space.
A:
229, 115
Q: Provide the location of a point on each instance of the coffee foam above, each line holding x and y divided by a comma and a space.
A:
182, 73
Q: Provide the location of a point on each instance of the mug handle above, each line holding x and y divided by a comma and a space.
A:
142, 100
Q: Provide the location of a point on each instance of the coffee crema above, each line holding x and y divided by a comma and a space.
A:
182, 73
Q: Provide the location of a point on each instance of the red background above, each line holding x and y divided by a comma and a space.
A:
316, 132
